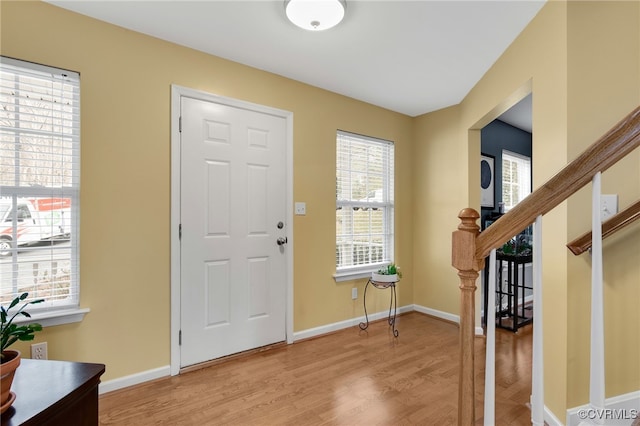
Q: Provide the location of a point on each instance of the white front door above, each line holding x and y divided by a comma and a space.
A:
233, 269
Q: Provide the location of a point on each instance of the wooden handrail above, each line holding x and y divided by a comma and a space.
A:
470, 247
623, 138
609, 226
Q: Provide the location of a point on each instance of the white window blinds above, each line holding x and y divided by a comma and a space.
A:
516, 178
364, 201
39, 183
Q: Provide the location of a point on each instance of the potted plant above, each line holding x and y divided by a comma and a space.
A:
9, 334
387, 274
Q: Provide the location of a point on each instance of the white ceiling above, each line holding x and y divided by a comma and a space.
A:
412, 57
520, 115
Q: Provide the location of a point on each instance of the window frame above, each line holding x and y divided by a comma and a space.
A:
384, 202
52, 312
522, 191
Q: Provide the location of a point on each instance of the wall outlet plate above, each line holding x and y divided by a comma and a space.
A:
608, 206
39, 351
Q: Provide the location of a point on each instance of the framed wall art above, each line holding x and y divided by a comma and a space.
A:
487, 177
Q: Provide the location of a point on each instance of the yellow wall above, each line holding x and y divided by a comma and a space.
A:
125, 258
603, 86
440, 195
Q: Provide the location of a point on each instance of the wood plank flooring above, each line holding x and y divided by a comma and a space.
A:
350, 377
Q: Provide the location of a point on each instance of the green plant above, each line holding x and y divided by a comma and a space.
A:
390, 269
518, 245
10, 332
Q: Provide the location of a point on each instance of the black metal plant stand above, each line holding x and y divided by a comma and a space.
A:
512, 289
392, 305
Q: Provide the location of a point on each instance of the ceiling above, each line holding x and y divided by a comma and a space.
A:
411, 57
519, 115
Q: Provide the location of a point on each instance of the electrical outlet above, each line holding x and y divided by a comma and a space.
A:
354, 293
39, 351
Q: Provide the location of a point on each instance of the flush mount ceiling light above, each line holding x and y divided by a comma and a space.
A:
315, 15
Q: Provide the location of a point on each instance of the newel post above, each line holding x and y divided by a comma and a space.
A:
463, 258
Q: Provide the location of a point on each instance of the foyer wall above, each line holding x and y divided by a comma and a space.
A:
126, 80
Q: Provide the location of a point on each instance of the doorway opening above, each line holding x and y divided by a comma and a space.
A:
506, 178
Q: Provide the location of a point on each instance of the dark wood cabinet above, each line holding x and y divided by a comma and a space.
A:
54, 393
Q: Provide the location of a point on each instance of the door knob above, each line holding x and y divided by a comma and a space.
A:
282, 241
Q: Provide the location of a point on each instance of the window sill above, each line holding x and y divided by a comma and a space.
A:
51, 318
353, 274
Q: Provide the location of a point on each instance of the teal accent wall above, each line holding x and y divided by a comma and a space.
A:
495, 137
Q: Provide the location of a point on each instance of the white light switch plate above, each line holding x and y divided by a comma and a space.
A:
301, 208
608, 206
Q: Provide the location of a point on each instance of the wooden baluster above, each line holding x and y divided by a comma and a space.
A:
464, 260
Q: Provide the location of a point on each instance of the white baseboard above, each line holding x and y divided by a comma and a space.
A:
329, 328
134, 379
619, 411
318, 331
551, 419
445, 316
436, 313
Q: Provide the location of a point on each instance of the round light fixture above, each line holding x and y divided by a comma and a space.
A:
315, 15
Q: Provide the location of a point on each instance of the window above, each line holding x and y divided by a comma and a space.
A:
516, 178
39, 185
364, 204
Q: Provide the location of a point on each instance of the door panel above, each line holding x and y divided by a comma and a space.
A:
233, 274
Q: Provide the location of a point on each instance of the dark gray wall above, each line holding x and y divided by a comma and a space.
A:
495, 137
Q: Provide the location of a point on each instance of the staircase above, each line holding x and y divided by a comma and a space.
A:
470, 248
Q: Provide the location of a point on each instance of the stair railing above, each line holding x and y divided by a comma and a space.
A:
470, 247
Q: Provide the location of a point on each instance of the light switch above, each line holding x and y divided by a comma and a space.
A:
301, 208
608, 206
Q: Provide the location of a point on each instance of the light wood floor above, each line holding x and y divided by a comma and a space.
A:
351, 377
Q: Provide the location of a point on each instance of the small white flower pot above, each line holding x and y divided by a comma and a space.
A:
379, 278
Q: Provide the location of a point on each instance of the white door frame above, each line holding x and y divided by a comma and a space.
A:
176, 93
